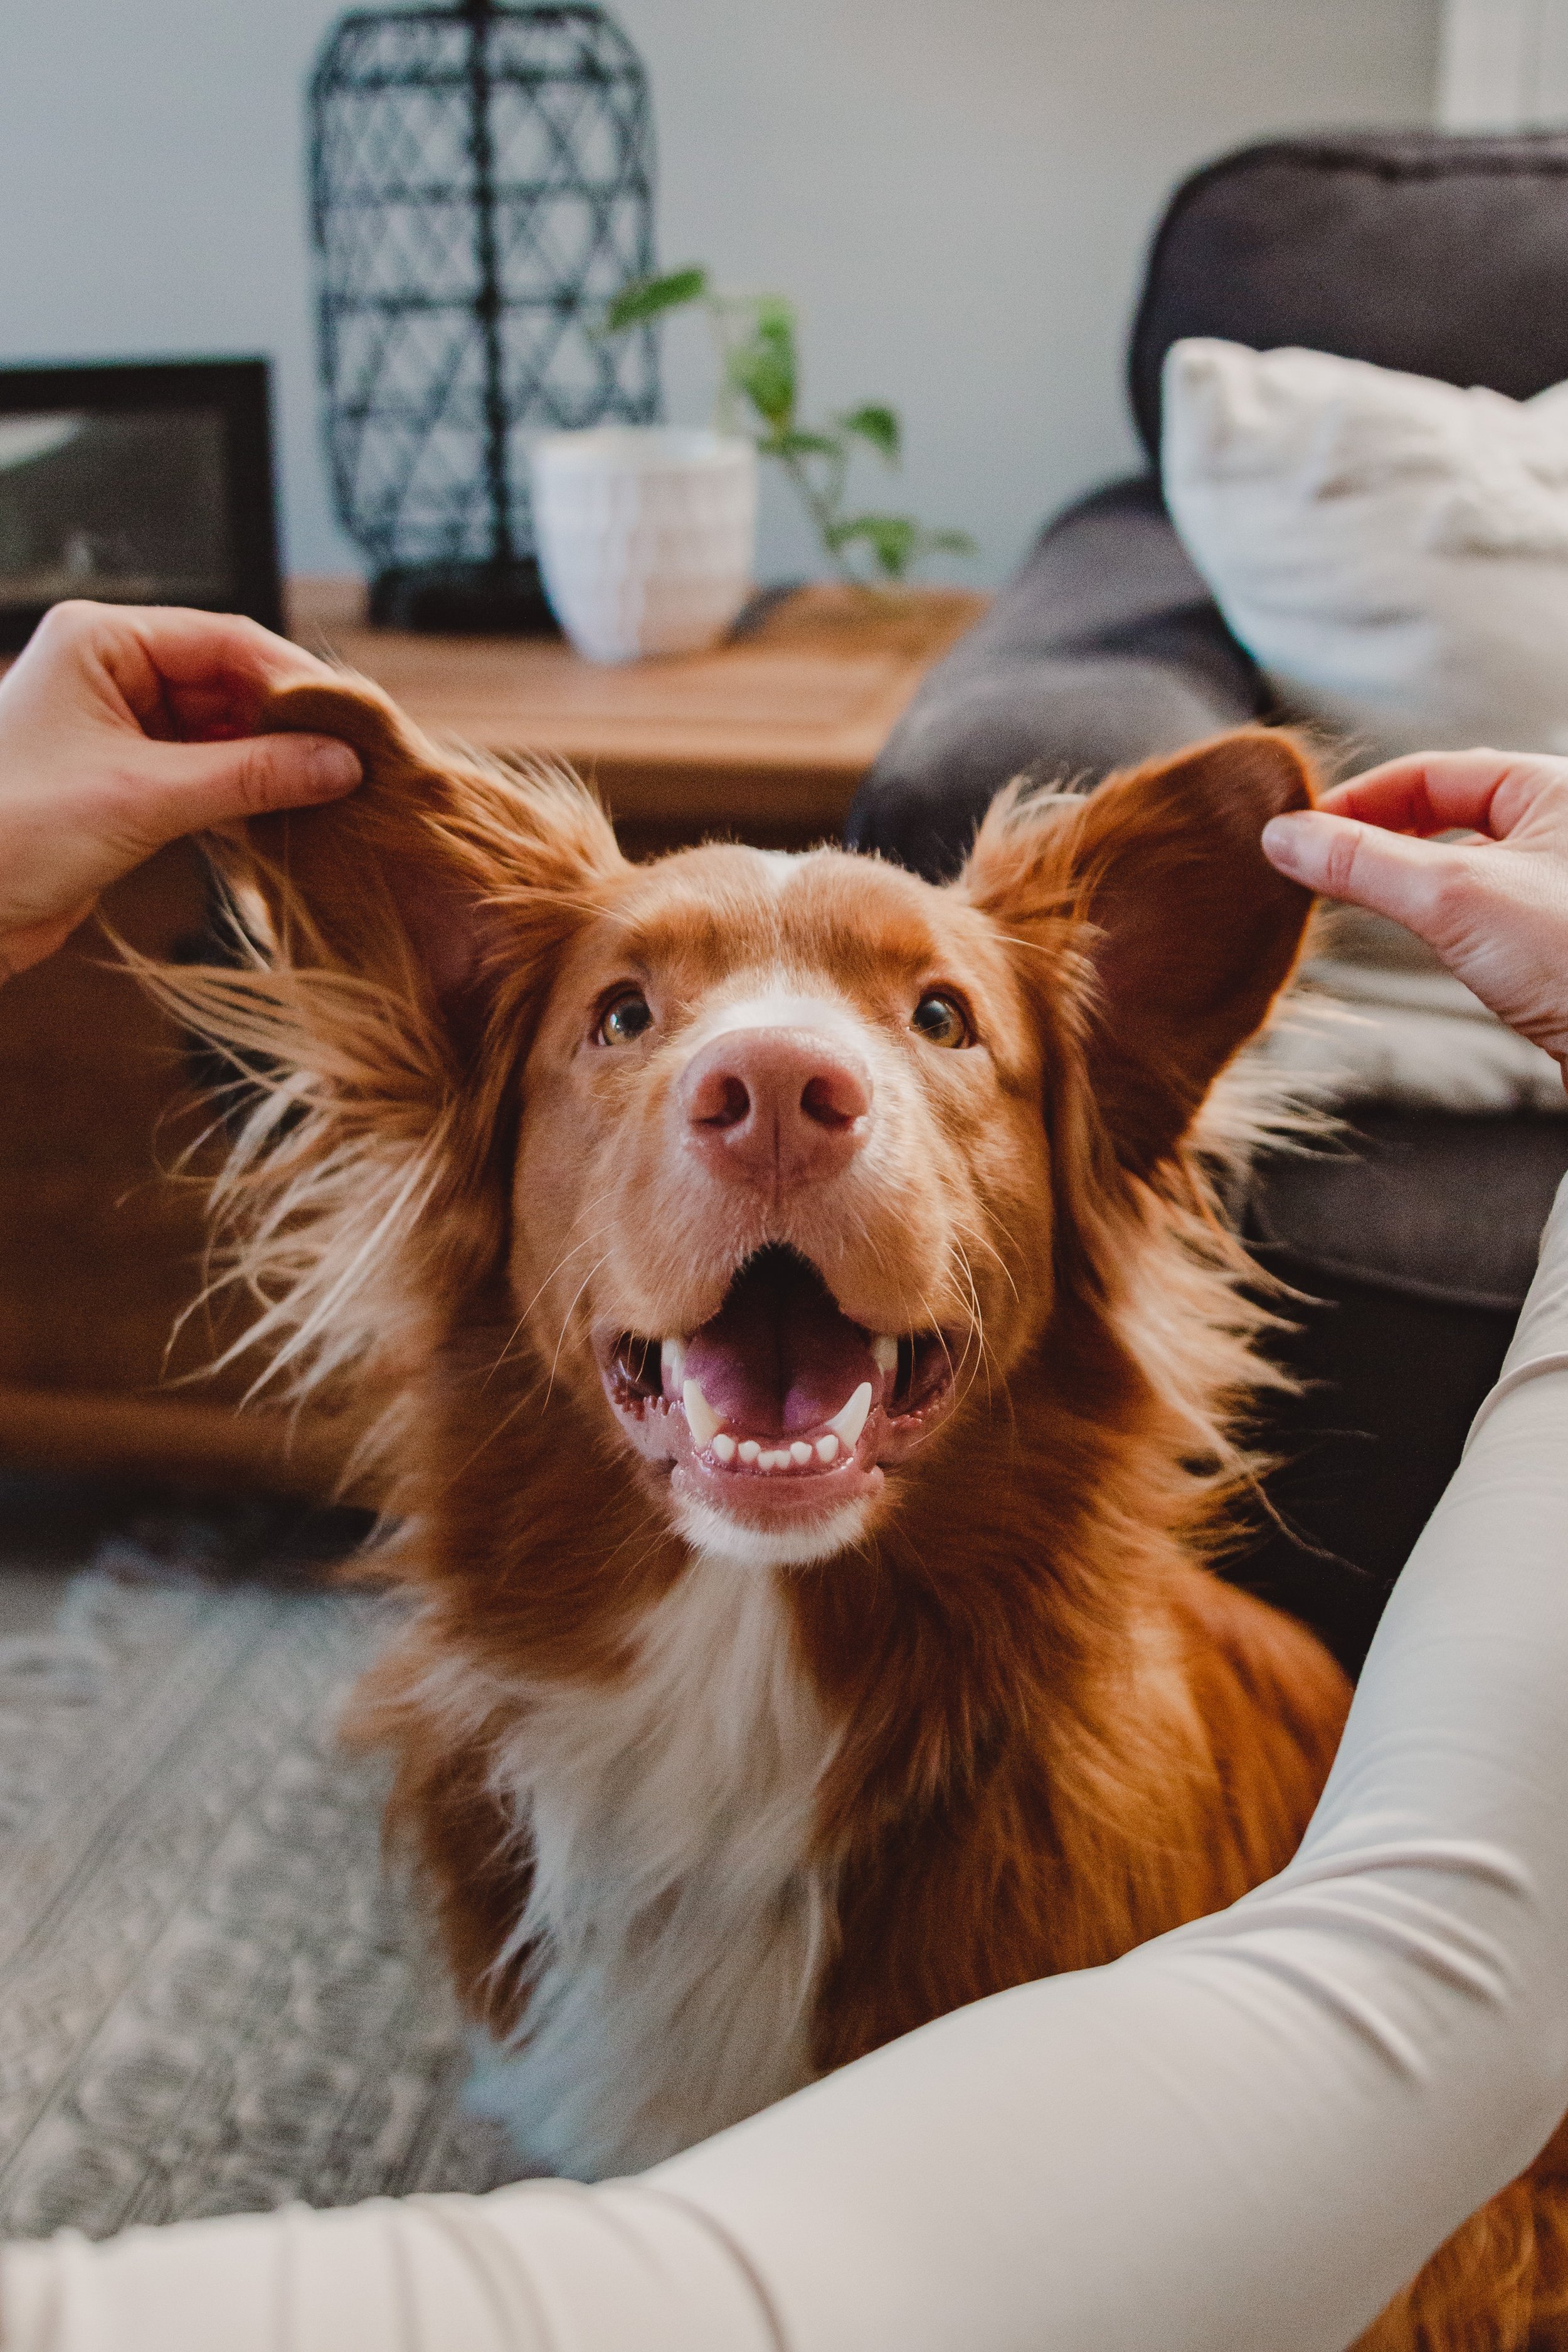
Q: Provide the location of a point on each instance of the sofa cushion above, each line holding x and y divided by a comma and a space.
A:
1387, 1386
1406, 1259
1391, 549
1443, 255
1427, 1207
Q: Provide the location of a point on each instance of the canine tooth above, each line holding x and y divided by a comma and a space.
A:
702, 1418
750, 1449
672, 1360
800, 1450
724, 1447
885, 1354
826, 1447
851, 1420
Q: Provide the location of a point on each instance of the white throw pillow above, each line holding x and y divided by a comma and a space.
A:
1391, 551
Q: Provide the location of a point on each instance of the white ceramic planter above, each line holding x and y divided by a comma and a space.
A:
646, 536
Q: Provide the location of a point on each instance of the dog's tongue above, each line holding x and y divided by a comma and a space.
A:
778, 1357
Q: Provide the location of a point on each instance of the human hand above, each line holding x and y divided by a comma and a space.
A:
123, 726
1496, 911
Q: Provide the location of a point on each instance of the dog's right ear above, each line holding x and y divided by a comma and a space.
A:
417, 879
1157, 883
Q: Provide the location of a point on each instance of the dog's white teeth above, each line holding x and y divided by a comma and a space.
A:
797, 1453
851, 1421
885, 1354
672, 1360
702, 1421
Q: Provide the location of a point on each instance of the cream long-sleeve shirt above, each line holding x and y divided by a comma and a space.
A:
1248, 2133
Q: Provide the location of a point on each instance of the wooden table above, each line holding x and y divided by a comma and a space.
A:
767, 736
100, 1249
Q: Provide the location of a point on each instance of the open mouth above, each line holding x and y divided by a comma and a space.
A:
780, 1406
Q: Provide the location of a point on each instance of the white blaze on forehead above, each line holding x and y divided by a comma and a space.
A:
782, 1003
781, 864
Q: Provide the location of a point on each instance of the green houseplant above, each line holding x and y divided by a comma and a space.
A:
759, 370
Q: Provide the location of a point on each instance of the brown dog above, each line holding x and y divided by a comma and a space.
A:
809, 1354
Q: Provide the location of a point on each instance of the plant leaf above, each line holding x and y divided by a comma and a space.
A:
880, 426
649, 297
774, 315
952, 543
763, 367
793, 443
894, 540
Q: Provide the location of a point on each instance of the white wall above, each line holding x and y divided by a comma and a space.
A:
956, 191
1504, 64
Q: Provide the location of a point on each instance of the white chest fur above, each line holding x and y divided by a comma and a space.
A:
677, 1924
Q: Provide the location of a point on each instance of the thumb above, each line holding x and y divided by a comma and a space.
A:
1388, 872
193, 785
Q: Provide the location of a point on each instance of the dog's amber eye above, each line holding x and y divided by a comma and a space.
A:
939, 1021
625, 1019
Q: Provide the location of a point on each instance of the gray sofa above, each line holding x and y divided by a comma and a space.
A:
1446, 257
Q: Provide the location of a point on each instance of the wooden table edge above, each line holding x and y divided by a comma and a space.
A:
177, 1442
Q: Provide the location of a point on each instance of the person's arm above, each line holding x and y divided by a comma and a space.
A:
1250, 2132
123, 726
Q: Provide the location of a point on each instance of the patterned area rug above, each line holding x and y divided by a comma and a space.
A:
212, 1997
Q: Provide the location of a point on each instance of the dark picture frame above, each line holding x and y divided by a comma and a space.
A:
205, 426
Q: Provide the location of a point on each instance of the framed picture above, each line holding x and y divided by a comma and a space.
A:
136, 483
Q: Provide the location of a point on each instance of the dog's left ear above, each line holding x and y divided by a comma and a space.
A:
1158, 879
406, 881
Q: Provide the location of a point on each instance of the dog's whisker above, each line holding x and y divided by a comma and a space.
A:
560, 1266
565, 1323
976, 1237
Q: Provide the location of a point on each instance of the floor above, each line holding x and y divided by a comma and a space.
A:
216, 1995
30, 1596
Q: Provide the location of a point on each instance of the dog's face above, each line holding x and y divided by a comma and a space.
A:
800, 1143
782, 1170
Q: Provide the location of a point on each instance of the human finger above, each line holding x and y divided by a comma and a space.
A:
187, 787
209, 672
1366, 865
189, 647
1425, 792
167, 672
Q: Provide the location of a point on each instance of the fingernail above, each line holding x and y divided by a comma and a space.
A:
1284, 838
334, 768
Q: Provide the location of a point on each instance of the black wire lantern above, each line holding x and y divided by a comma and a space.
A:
481, 183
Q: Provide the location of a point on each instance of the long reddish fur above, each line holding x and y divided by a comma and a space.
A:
1065, 1735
